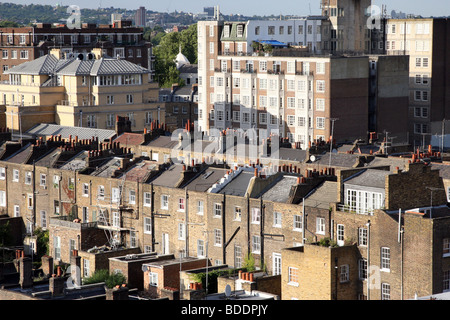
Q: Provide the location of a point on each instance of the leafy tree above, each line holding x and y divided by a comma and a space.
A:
167, 50
42, 240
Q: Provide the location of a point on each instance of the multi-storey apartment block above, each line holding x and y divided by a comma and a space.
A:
426, 41
89, 90
296, 92
18, 45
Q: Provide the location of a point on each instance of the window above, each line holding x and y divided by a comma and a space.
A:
200, 207
362, 236
217, 210
320, 225
115, 194
165, 202
2, 173
217, 237
147, 225
363, 202
301, 121
320, 86
256, 216
344, 273
237, 213
85, 214
385, 259
181, 231
57, 248
362, 269
298, 225
290, 120
271, 30
16, 211
153, 279
293, 276
132, 197
385, 291
147, 199
181, 204
129, 98
85, 190
109, 99
2, 198
116, 219
320, 123
446, 247
28, 176
320, 67
340, 234
200, 248
256, 244
23, 54
320, 104
86, 268
446, 280
277, 219
44, 219
101, 192
263, 118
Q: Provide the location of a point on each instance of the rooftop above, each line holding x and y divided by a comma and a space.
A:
50, 65
209, 177
47, 130
369, 178
279, 192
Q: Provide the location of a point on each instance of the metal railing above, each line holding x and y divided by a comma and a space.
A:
354, 210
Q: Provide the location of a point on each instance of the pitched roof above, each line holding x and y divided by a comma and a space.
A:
49, 64
369, 178
46, 129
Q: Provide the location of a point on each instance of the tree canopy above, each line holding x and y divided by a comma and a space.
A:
167, 50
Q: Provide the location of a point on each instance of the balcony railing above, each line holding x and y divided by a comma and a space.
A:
352, 209
68, 222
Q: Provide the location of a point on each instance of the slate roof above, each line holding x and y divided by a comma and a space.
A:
238, 186
170, 177
369, 178
140, 171
108, 169
49, 64
130, 139
209, 177
45, 130
323, 196
279, 192
78, 162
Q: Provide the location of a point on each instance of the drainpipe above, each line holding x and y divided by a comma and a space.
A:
368, 258
248, 225
153, 216
262, 210
303, 222
186, 212
224, 253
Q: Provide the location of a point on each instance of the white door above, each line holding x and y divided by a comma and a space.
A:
340, 235
276, 257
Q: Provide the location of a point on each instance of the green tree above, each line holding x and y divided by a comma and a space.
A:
167, 50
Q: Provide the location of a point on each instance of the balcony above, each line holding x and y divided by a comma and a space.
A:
71, 223
352, 209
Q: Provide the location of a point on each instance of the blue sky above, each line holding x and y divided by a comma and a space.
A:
251, 7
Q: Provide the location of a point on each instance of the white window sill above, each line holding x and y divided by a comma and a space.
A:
293, 284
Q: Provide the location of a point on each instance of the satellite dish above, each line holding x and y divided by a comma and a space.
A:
312, 158
227, 290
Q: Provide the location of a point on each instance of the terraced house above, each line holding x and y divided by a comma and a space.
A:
94, 194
